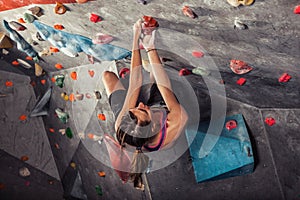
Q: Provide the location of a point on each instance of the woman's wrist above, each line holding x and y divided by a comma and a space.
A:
150, 49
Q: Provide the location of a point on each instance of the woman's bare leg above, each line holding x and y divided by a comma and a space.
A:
111, 82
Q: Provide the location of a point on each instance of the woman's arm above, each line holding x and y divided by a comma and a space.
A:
135, 79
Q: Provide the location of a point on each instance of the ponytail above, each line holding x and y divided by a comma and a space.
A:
139, 164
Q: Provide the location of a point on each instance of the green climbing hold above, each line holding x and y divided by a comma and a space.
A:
63, 116
69, 133
59, 80
200, 71
29, 18
99, 190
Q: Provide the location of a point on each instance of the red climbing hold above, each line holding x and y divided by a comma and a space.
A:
239, 67
184, 72
197, 54
241, 81
297, 9
95, 18
149, 24
101, 117
285, 77
270, 121
123, 72
9, 84
187, 11
231, 124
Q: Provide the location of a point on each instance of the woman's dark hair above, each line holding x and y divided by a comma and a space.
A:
137, 135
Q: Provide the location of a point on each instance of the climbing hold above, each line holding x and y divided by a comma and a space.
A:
56, 146
149, 24
98, 95
52, 130
58, 27
222, 82
297, 9
270, 121
73, 165
124, 72
197, 54
101, 174
92, 73
29, 58
99, 190
17, 26
62, 131
95, 18
43, 81
101, 117
15, 62
79, 97
24, 158
88, 95
102, 39
24, 172
2, 186
187, 11
54, 49
239, 24
38, 70
82, 1
62, 116
58, 66
63, 94
184, 72
27, 183
21, 20
200, 71
52, 79
95, 137
66, 97
231, 124
236, 3
24, 64
51, 182
59, 80
71, 97
239, 67
59, 8
285, 77
144, 2
39, 37
22, 117
241, 81
36, 10
9, 84
73, 75
29, 18
5, 41
69, 133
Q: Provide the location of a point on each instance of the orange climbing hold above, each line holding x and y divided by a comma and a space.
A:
54, 50
53, 80
92, 73
73, 75
9, 84
15, 62
58, 66
72, 97
24, 158
101, 174
187, 11
22, 117
59, 27
29, 58
21, 20
90, 135
43, 81
101, 117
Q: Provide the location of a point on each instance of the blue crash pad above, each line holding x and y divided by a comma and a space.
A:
232, 154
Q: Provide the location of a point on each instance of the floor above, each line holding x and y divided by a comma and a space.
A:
67, 168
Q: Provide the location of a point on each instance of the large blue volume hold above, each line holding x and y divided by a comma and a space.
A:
232, 154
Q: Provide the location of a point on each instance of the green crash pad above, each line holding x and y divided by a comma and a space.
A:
230, 156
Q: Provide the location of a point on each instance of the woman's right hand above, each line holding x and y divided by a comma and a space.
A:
148, 41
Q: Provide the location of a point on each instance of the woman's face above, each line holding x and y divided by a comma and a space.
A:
142, 113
